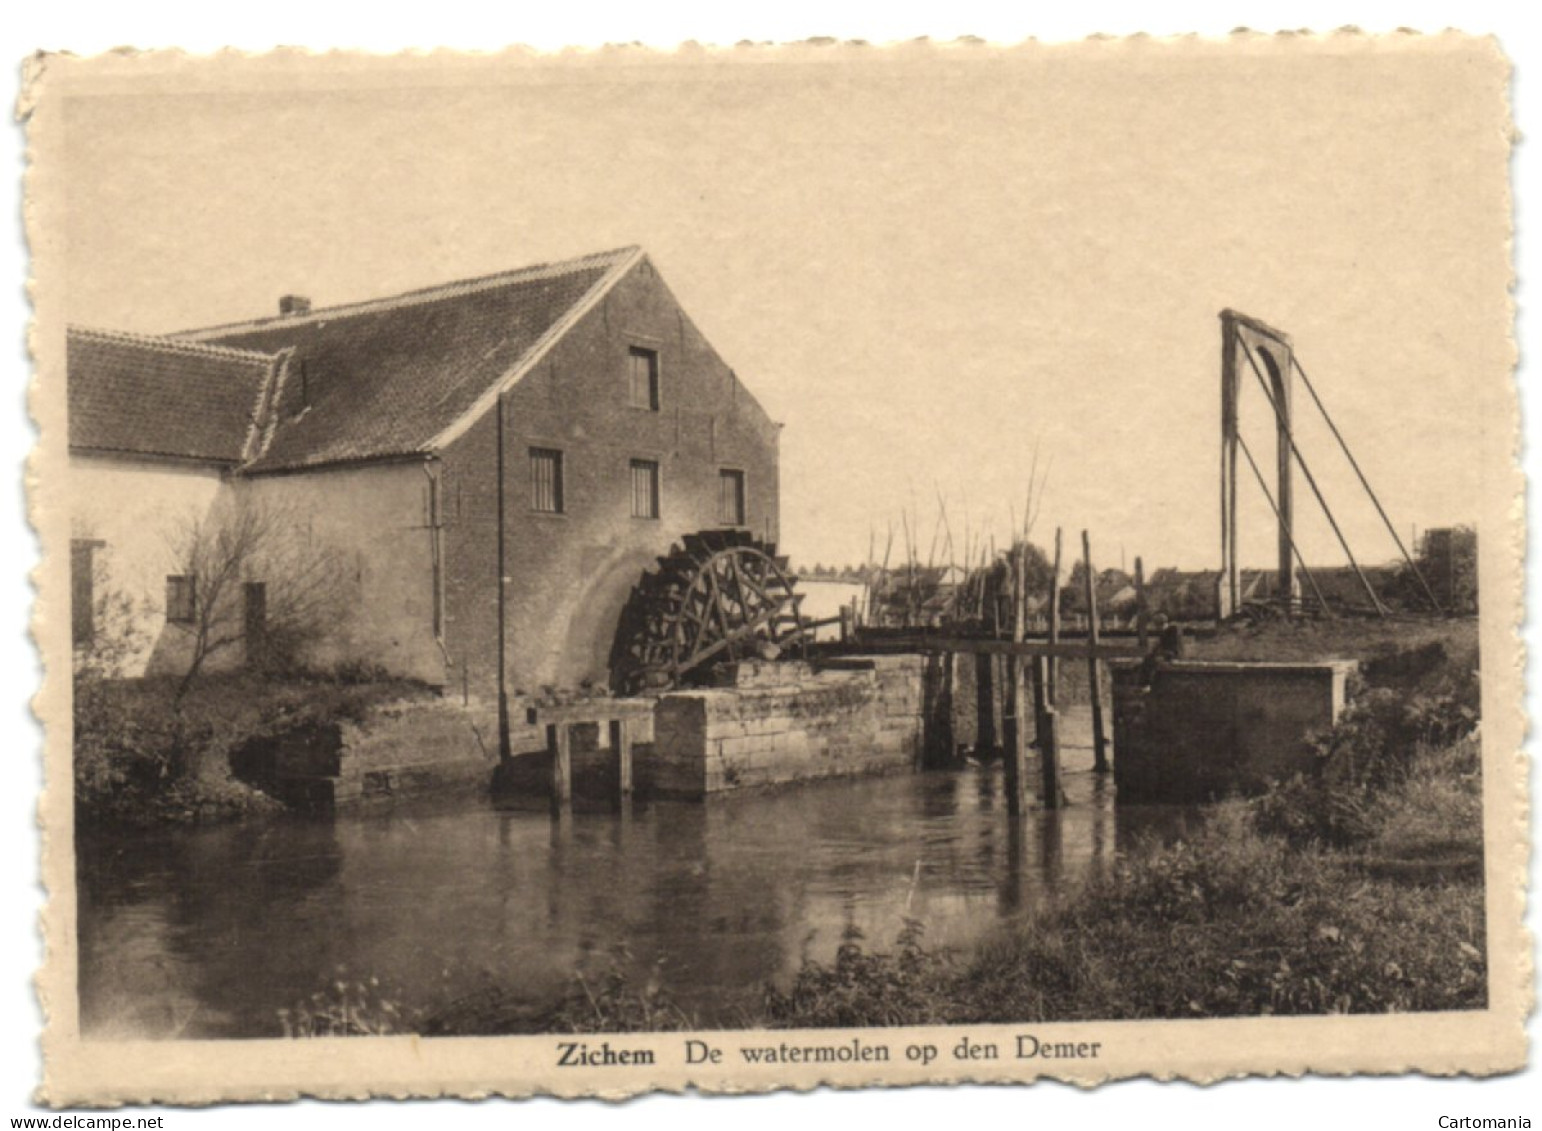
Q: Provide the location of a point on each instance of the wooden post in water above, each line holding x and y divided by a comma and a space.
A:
621, 746
1054, 621
937, 710
1011, 769
1141, 616
1017, 750
559, 742
1099, 742
984, 702
947, 749
1048, 725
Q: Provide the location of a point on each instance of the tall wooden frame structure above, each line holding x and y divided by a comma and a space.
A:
1251, 346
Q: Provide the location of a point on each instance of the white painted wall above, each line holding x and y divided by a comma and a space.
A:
376, 517
135, 507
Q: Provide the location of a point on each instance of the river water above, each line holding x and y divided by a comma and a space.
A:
210, 932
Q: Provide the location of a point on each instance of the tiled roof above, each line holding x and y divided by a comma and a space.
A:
384, 378
1341, 587
144, 395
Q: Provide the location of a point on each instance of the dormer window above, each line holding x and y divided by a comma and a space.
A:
644, 376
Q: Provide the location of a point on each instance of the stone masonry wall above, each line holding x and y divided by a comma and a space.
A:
786, 722
1203, 730
417, 746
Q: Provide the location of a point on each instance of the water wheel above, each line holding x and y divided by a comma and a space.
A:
718, 596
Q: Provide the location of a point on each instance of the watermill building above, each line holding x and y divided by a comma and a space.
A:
498, 460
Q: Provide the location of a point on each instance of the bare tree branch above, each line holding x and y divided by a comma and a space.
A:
246, 540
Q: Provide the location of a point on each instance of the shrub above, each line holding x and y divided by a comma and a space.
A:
864, 988
1373, 747
347, 1009
1305, 809
1233, 923
143, 757
608, 1001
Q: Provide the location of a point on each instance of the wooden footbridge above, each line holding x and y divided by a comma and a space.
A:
1029, 683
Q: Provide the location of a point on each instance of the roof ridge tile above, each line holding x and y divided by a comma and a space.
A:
180, 345
454, 289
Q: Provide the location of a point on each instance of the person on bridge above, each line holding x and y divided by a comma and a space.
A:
1169, 646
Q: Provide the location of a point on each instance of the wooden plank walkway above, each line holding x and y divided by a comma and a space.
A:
985, 645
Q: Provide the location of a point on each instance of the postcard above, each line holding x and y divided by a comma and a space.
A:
746, 568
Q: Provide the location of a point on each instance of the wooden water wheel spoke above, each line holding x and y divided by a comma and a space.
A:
718, 594
743, 592
742, 575
719, 607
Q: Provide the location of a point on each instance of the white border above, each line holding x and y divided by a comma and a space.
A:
86, 27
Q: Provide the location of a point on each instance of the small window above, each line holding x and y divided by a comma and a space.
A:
181, 599
645, 378
546, 480
645, 488
730, 497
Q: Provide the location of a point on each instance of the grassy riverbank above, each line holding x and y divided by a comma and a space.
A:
1233, 922
143, 757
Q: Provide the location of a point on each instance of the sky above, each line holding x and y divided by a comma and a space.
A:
933, 269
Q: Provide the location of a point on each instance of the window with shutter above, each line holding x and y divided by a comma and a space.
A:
730, 497
644, 375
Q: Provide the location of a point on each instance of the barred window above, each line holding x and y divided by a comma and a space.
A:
644, 368
546, 480
730, 497
181, 599
645, 488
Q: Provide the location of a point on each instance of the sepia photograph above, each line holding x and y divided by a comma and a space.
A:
773, 566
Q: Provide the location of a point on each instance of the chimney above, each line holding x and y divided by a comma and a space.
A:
293, 304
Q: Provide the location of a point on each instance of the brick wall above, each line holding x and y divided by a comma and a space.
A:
570, 574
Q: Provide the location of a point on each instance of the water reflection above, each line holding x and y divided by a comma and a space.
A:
208, 933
